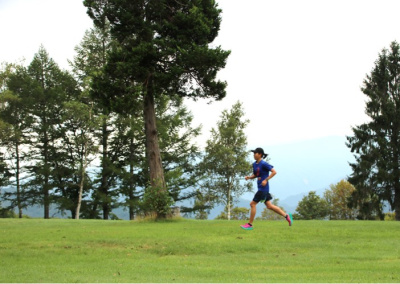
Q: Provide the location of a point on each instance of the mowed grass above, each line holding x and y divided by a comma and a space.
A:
34, 250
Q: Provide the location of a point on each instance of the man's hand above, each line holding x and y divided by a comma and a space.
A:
264, 182
246, 178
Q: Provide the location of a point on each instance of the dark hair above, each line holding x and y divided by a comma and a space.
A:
260, 151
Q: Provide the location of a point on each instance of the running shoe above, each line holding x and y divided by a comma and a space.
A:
289, 218
247, 226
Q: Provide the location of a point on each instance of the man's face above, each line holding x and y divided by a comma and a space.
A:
257, 156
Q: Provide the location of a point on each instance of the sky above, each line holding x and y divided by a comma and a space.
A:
297, 66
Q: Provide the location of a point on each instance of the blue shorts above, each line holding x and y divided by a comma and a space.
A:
262, 196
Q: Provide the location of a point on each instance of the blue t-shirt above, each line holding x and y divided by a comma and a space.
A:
261, 171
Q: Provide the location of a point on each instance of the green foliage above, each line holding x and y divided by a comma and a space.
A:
161, 49
5, 173
6, 212
225, 162
376, 172
16, 127
337, 198
201, 206
312, 207
51, 88
391, 216
63, 120
156, 200
168, 40
237, 213
179, 153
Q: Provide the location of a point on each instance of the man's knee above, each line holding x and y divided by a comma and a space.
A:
253, 204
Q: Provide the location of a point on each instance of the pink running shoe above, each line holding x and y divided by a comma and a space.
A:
289, 218
247, 226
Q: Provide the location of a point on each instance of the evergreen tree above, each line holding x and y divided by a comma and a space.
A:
5, 176
163, 49
129, 139
376, 144
90, 60
179, 153
16, 122
225, 161
51, 87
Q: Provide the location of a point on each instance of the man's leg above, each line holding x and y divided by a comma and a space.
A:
275, 208
253, 208
253, 211
278, 210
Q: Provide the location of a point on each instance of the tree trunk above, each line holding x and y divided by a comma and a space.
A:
104, 173
397, 204
229, 204
152, 147
46, 198
17, 180
396, 169
131, 185
83, 167
131, 207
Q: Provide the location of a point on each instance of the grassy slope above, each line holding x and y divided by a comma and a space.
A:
198, 251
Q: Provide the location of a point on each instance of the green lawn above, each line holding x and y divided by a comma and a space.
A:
34, 250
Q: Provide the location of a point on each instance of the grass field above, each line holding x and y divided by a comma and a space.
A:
34, 250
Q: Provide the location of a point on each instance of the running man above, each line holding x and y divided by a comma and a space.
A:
261, 170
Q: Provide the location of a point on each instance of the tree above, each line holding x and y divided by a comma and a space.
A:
376, 144
179, 152
267, 214
5, 175
89, 62
79, 140
49, 89
312, 207
201, 209
163, 49
337, 198
225, 161
16, 122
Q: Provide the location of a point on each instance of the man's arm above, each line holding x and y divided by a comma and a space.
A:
273, 173
250, 177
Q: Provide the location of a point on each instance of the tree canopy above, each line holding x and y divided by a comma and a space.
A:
376, 144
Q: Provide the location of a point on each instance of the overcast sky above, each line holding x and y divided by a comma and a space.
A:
297, 66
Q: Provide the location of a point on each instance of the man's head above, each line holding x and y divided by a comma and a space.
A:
259, 154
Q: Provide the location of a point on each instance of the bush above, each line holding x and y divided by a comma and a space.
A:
313, 207
391, 216
7, 213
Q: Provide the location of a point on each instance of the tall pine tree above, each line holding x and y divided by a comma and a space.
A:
16, 122
163, 49
376, 144
51, 87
